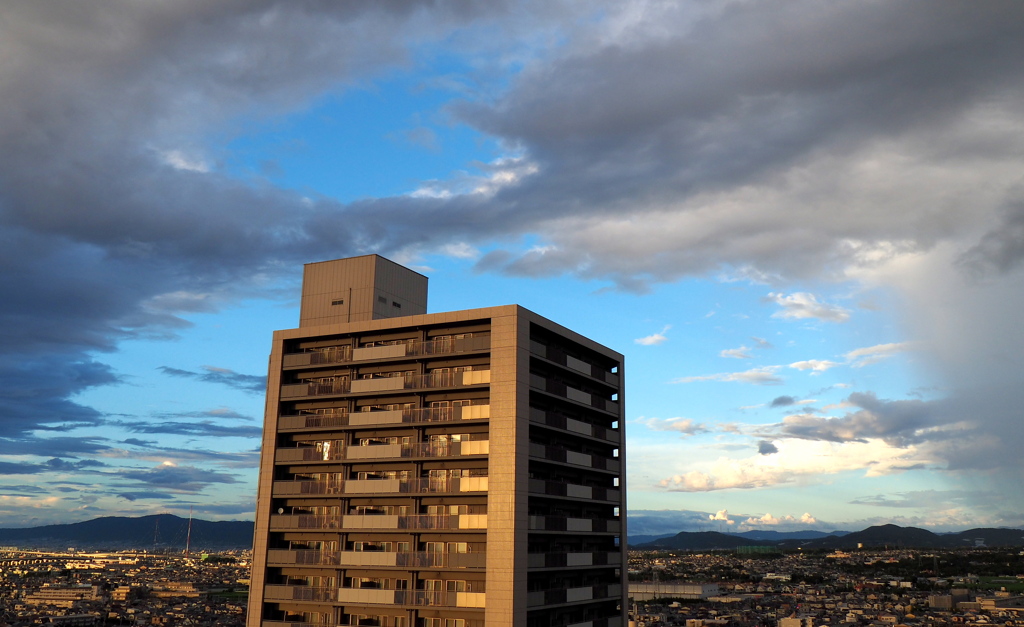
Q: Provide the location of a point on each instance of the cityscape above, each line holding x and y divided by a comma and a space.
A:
868, 587
507, 313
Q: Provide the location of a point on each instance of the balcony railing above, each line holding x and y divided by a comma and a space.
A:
279, 623
420, 559
568, 560
557, 488
397, 416
420, 449
345, 354
559, 454
576, 426
561, 523
310, 454
559, 388
383, 451
287, 522
431, 598
559, 357
386, 384
299, 593
572, 595
380, 486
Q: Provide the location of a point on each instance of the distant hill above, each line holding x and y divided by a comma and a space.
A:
892, 536
781, 536
635, 540
161, 531
699, 541
912, 537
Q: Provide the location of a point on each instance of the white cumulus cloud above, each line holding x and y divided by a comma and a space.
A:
803, 305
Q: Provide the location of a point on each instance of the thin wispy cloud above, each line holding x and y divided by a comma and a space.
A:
686, 426
655, 338
764, 375
816, 366
873, 354
736, 353
221, 376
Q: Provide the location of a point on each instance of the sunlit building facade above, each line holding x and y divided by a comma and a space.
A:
460, 469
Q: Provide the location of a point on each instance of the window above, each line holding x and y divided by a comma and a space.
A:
382, 300
338, 301
394, 439
397, 304
443, 622
370, 475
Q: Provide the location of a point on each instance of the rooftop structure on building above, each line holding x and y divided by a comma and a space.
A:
458, 469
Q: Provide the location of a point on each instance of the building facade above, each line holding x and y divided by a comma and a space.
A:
460, 469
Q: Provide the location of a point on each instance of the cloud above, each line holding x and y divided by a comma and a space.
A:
722, 515
771, 521
762, 343
927, 499
736, 353
657, 338
686, 426
765, 447
764, 375
803, 305
178, 478
816, 366
783, 401
797, 462
222, 376
135, 496
203, 428
865, 356
898, 423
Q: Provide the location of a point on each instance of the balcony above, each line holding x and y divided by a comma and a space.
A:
385, 384
557, 596
424, 449
571, 560
286, 522
373, 418
558, 388
380, 486
429, 598
561, 523
282, 557
347, 354
310, 454
383, 451
575, 426
573, 458
591, 493
468, 623
299, 593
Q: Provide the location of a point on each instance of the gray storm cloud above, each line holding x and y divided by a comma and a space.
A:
809, 141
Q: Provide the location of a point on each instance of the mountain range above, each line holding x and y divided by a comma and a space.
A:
891, 536
160, 531
166, 531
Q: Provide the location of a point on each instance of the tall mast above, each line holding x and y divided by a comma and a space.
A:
188, 537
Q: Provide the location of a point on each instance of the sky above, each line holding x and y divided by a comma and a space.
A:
802, 222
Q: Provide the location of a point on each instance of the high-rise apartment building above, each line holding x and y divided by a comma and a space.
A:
460, 469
